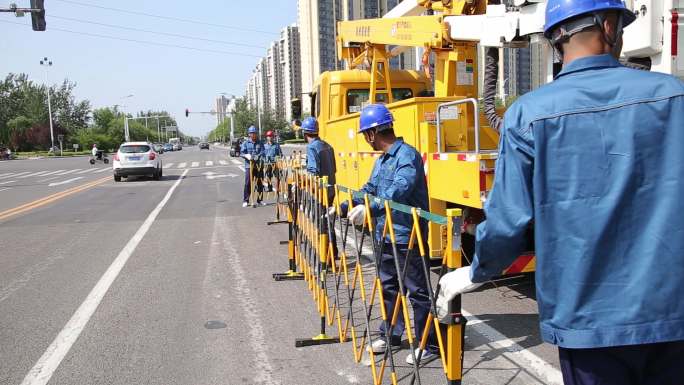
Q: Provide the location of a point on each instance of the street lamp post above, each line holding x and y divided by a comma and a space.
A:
47, 64
231, 104
127, 136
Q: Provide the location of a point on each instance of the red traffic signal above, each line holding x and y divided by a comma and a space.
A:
187, 112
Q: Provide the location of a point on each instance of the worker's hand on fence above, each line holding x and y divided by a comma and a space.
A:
452, 284
331, 211
357, 215
247, 156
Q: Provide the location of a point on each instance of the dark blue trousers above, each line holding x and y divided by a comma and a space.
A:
649, 364
248, 184
417, 287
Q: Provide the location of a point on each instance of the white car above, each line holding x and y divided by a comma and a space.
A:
136, 158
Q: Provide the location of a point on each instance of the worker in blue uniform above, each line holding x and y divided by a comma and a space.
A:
320, 156
398, 175
252, 151
320, 161
272, 152
595, 160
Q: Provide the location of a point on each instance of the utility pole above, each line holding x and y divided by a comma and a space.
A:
47, 64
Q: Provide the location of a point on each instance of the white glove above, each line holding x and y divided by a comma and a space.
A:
452, 284
248, 156
357, 215
331, 211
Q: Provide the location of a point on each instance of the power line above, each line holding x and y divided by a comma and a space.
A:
166, 17
138, 41
155, 32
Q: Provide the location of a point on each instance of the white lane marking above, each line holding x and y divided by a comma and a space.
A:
15, 175
33, 174
69, 172
65, 181
168, 165
43, 370
85, 171
223, 162
514, 352
195, 164
242, 168
6, 174
8, 182
102, 170
235, 161
182, 165
6, 188
47, 179
209, 163
52, 173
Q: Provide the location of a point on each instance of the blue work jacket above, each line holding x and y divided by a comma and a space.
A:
256, 149
596, 160
398, 175
320, 161
272, 151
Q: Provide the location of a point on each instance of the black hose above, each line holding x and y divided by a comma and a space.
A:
489, 94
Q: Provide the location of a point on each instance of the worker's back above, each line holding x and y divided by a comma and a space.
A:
607, 146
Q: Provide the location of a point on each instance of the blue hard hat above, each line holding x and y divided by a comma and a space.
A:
559, 11
252, 130
374, 115
310, 125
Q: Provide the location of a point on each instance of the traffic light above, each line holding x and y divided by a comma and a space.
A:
296, 105
38, 17
187, 112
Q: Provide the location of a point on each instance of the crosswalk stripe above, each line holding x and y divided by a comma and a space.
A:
53, 172
69, 171
209, 163
168, 165
84, 171
14, 175
182, 165
65, 181
6, 188
102, 170
195, 164
6, 174
7, 182
235, 161
223, 162
47, 179
32, 174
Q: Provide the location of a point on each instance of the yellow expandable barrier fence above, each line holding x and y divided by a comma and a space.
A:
339, 263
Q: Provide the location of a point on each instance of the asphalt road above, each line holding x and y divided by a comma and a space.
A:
123, 283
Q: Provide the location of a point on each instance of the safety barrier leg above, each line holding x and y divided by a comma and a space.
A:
455, 332
319, 260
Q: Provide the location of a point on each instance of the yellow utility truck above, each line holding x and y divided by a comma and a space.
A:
439, 111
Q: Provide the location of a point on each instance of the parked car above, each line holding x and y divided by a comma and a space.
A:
176, 147
168, 147
203, 145
235, 148
136, 158
159, 148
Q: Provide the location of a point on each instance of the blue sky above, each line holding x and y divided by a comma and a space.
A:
160, 77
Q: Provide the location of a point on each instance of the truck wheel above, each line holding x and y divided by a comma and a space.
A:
117, 178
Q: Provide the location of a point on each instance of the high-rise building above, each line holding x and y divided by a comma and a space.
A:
221, 107
274, 77
291, 68
316, 20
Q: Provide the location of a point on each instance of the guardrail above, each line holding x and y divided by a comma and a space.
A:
340, 264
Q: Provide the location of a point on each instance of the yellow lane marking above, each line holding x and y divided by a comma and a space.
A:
50, 198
